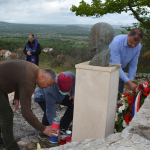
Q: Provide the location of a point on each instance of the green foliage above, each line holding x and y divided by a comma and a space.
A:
123, 32
139, 9
43, 57
57, 62
11, 44
1, 58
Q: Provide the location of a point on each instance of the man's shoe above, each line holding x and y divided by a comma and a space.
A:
1, 143
70, 128
62, 131
42, 136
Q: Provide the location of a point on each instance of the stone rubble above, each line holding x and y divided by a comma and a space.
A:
142, 75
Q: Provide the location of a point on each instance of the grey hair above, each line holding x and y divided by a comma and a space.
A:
50, 72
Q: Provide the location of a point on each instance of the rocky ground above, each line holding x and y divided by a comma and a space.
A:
25, 134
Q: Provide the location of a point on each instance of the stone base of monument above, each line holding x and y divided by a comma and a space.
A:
96, 93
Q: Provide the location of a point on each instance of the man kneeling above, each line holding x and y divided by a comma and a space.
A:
58, 93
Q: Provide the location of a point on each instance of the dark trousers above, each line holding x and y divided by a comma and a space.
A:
6, 123
68, 116
121, 85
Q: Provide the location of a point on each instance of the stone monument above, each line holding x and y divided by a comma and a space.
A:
101, 36
96, 89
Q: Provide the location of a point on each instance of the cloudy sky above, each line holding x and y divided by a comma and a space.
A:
53, 12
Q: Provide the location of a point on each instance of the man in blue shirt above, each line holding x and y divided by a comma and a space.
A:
126, 49
58, 93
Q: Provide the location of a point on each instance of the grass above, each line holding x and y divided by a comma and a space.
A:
43, 65
143, 70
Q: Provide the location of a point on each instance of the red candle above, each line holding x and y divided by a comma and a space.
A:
62, 139
68, 139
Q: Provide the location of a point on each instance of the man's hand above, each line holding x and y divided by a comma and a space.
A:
28, 53
72, 97
130, 85
49, 131
58, 139
16, 104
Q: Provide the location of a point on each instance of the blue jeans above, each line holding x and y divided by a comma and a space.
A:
68, 116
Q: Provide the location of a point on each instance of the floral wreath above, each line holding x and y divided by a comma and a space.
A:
129, 105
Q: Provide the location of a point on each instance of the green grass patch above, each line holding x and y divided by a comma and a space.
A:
43, 65
143, 70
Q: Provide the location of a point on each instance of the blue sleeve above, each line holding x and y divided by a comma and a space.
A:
115, 58
50, 106
133, 65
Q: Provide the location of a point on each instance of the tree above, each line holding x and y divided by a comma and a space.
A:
140, 9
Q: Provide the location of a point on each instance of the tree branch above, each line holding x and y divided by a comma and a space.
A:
137, 16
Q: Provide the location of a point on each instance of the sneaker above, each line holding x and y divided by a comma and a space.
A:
1, 143
42, 136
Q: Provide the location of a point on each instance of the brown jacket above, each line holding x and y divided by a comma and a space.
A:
20, 76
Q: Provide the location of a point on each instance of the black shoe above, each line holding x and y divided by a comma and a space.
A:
42, 136
62, 131
70, 128
1, 143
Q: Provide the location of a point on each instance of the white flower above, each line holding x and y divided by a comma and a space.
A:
116, 117
124, 124
121, 108
121, 99
125, 104
137, 90
115, 131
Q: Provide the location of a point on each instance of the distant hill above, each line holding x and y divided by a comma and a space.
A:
47, 29
72, 27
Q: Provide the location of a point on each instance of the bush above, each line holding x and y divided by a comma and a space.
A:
57, 62
79, 55
43, 57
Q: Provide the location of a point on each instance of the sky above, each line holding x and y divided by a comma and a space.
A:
53, 12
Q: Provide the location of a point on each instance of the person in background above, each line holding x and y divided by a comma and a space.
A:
58, 93
126, 49
32, 50
20, 76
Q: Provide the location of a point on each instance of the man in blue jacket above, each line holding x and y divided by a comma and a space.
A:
126, 49
58, 93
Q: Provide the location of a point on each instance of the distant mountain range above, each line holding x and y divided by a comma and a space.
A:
46, 25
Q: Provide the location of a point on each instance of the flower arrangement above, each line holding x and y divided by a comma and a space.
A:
129, 105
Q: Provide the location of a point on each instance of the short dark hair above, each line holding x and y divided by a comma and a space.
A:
137, 33
51, 72
31, 34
